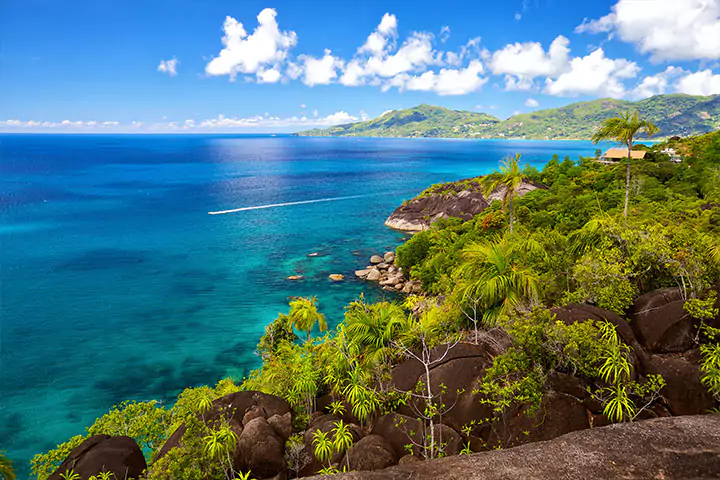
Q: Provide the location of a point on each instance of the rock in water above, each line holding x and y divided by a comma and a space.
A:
120, 456
295, 277
362, 273
336, 277
375, 259
374, 275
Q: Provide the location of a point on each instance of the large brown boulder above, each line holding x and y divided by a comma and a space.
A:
370, 453
400, 430
660, 323
260, 449
262, 423
557, 415
120, 456
684, 393
669, 448
581, 312
453, 379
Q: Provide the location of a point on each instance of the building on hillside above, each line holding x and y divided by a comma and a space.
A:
617, 154
674, 156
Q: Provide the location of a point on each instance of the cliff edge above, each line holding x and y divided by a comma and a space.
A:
462, 199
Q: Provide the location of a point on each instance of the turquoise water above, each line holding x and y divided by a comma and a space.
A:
117, 284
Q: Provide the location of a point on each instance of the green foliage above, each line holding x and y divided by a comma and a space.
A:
304, 315
6, 468
145, 422
710, 368
44, 464
70, 475
507, 181
276, 333
323, 447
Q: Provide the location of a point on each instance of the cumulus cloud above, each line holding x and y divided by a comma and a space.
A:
521, 63
594, 74
656, 84
703, 82
445, 82
261, 53
168, 66
385, 33
320, 71
667, 29
444, 34
532, 103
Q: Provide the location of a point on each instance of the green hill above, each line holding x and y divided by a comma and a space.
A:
675, 114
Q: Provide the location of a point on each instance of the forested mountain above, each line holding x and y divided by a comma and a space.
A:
675, 114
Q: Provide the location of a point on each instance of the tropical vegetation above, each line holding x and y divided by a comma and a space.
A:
570, 242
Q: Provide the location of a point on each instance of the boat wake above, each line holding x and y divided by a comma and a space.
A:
288, 204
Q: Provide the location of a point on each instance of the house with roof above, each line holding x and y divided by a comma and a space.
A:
617, 154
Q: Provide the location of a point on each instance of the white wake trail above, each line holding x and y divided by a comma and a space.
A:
288, 204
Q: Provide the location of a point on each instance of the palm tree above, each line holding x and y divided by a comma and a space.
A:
304, 315
623, 128
6, 469
510, 178
371, 329
491, 273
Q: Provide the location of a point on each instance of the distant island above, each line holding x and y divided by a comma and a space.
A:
675, 115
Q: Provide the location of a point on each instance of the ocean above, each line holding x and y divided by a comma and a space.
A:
116, 283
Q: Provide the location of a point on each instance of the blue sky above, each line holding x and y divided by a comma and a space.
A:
251, 66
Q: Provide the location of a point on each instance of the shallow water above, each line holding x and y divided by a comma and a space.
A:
116, 283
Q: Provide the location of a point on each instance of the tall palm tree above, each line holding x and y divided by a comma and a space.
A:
372, 328
491, 273
623, 128
304, 315
6, 469
509, 178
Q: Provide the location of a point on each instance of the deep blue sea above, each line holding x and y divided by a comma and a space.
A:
116, 283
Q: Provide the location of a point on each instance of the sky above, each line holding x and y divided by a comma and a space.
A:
246, 66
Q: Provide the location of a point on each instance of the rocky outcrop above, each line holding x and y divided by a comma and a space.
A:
262, 423
667, 448
463, 199
120, 456
370, 453
660, 322
390, 277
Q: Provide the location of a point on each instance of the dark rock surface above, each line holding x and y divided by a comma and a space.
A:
684, 394
120, 456
660, 323
462, 199
262, 423
664, 448
371, 453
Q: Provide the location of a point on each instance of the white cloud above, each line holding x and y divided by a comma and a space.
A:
667, 29
271, 75
518, 16
656, 84
593, 74
261, 53
703, 82
302, 105
320, 71
447, 81
168, 66
268, 121
532, 103
221, 122
444, 34
523, 62
385, 32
